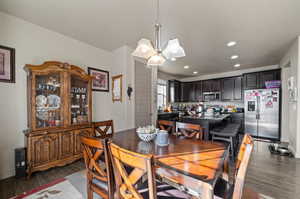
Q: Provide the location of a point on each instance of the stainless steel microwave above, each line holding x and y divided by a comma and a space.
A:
211, 96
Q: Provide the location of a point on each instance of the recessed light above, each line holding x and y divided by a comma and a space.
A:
195, 72
237, 65
186, 67
234, 57
231, 43
173, 59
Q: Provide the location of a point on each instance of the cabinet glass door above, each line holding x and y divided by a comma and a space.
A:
48, 107
79, 100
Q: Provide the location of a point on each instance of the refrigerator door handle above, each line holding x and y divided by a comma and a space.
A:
257, 116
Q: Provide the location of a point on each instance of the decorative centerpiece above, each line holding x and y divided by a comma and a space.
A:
147, 133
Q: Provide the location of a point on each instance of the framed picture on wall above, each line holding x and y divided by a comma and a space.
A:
117, 88
7, 64
101, 80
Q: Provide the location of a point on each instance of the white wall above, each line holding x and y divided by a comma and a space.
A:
165, 76
123, 112
229, 74
34, 45
291, 124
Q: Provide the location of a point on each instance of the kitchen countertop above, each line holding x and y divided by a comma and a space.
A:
214, 118
165, 113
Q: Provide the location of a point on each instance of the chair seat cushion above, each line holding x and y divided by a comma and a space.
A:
102, 185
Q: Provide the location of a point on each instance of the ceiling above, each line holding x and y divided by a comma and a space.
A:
263, 29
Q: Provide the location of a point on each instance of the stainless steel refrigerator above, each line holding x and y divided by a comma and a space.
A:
262, 113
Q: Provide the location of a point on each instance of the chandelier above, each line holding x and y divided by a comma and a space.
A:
154, 55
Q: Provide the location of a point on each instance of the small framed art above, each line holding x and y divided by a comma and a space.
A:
117, 88
7, 64
101, 80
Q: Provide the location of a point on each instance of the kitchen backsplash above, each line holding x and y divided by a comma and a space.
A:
237, 104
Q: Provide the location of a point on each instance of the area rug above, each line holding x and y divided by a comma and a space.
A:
59, 189
74, 187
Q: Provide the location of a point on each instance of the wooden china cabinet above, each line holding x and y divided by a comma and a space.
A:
59, 110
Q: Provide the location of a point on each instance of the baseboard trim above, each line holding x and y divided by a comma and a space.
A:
296, 155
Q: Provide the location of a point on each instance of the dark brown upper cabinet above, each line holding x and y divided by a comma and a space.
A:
257, 80
238, 88
251, 81
174, 91
198, 91
227, 88
206, 86
212, 85
188, 91
268, 76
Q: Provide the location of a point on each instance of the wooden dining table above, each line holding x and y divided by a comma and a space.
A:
190, 165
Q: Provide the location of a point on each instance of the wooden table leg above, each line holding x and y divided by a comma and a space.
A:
225, 174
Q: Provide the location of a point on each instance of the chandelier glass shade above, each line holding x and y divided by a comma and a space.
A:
156, 60
144, 49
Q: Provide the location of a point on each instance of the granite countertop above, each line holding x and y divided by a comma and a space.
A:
165, 113
203, 117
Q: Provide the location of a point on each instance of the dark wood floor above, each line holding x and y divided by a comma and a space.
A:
272, 175
11, 186
275, 176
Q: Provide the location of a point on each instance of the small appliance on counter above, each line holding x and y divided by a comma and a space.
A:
210, 112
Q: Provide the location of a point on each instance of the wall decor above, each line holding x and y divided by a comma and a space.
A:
7, 64
101, 79
293, 90
129, 91
117, 88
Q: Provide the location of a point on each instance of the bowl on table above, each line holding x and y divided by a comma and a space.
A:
147, 133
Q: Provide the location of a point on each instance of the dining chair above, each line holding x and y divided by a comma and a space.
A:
99, 177
223, 188
228, 134
103, 129
127, 183
166, 125
189, 130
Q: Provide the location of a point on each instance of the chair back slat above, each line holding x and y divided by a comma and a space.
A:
166, 125
93, 150
103, 129
241, 165
126, 182
189, 130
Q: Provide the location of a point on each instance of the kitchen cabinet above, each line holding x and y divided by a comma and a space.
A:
268, 76
212, 85
232, 88
174, 91
188, 91
227, 88
238, 88
198, 91
257, 80
251, 81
